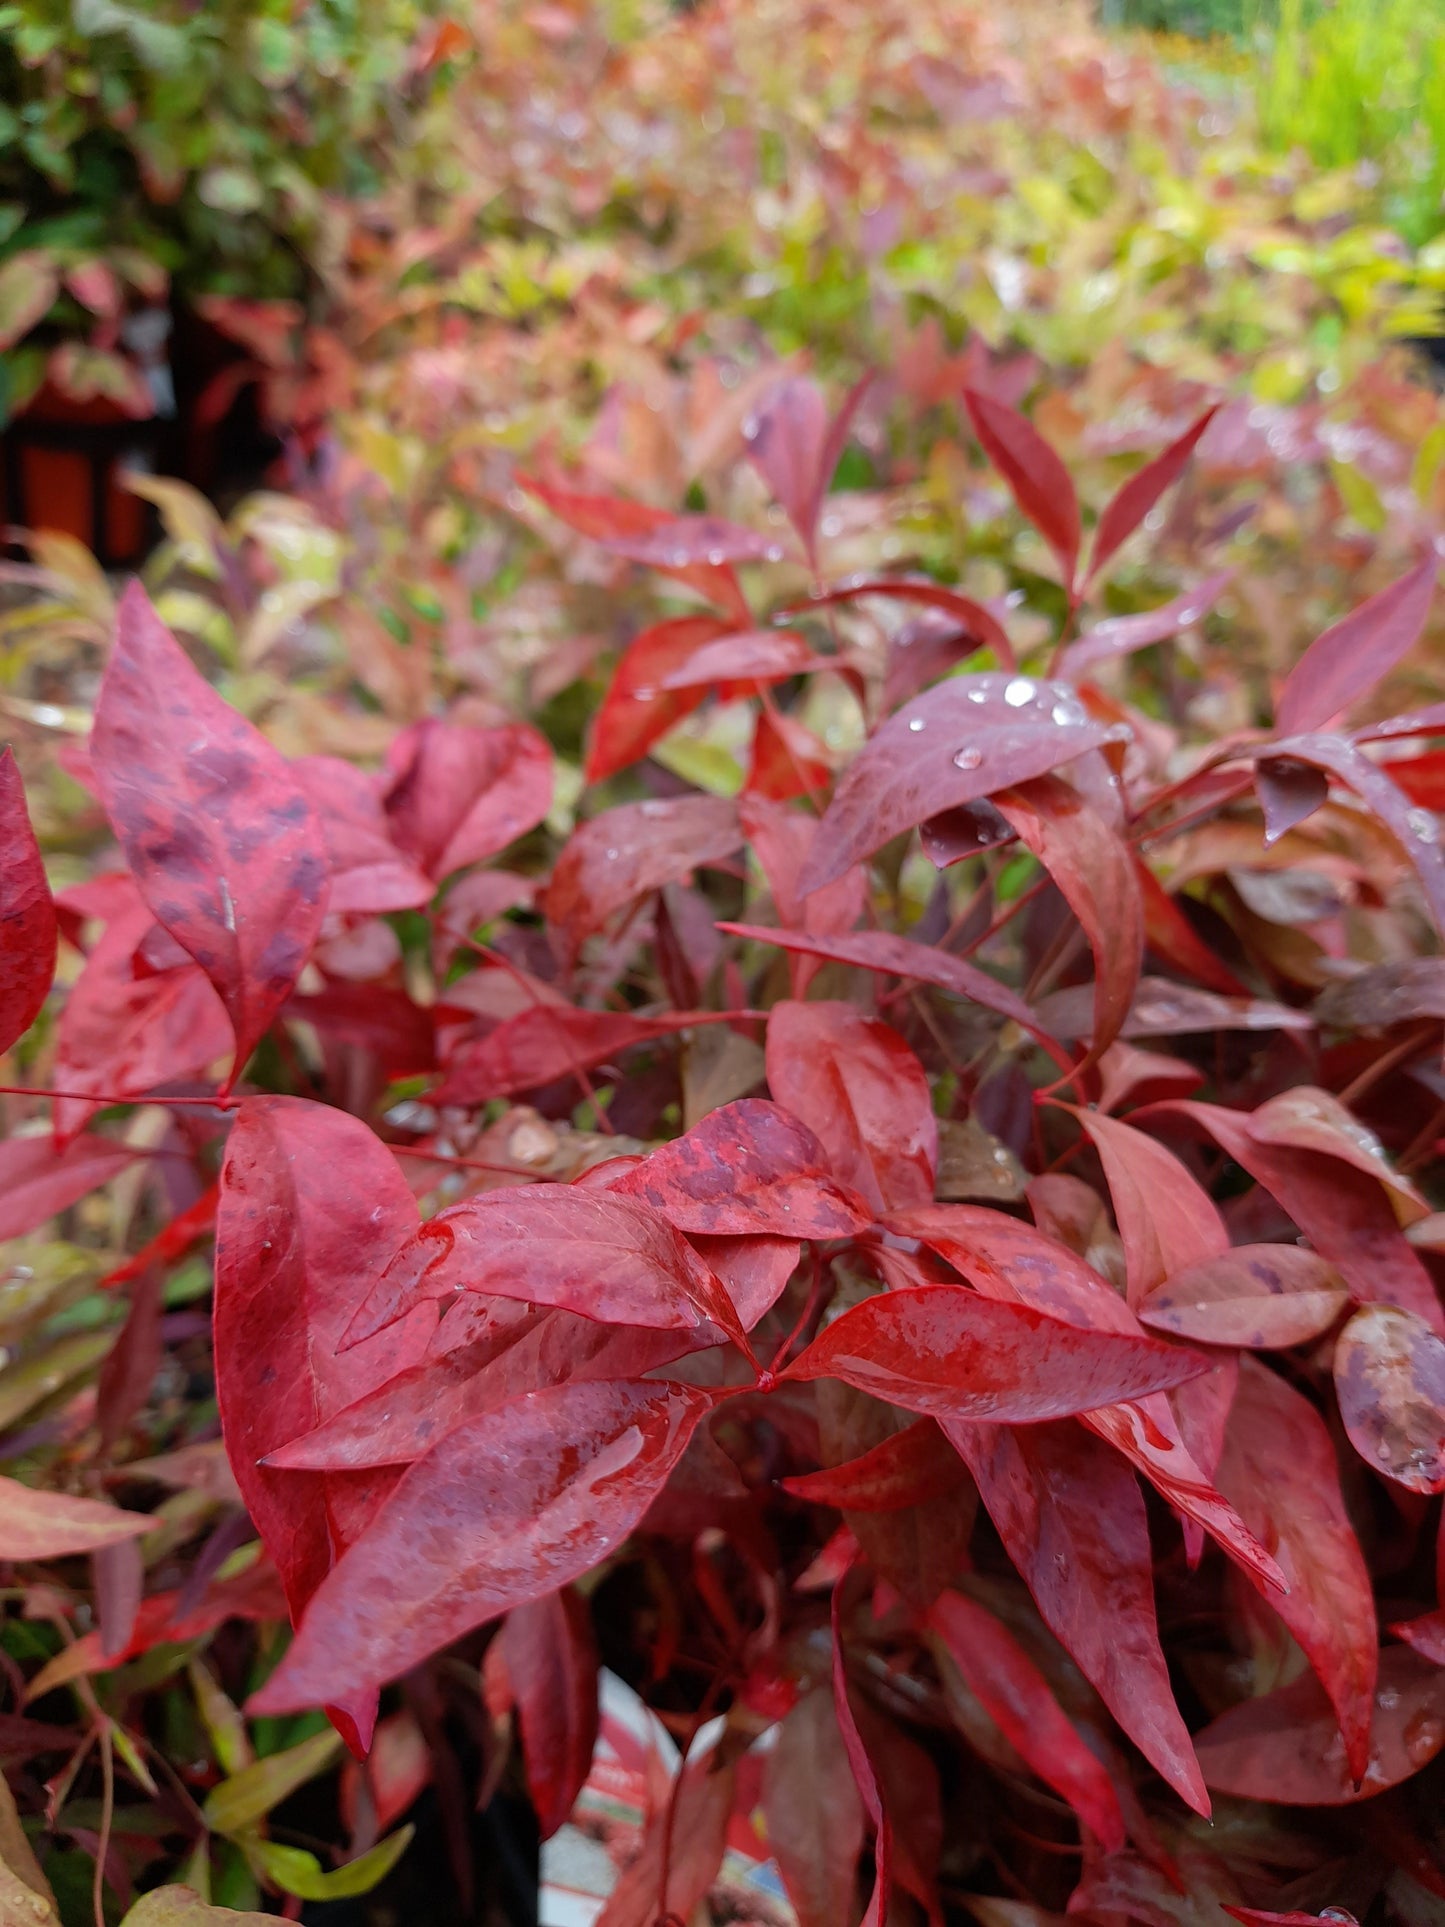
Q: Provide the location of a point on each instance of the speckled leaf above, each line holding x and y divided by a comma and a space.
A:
1262, 1297
505, 1509
627, 851
219, 835
1390, 1379
458, 794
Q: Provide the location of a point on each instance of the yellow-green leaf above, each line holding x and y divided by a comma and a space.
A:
183, 1907
237, 1803
302, 1874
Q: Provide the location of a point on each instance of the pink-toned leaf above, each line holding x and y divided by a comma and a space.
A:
961, 740
1381, 995
1119, 636
27, 914
1072, 1519
653, 536
543, 1662
592, 1252
814, 1814
780, 839
1260, 1917
1037, 478
1015, 1693
856, 1084
973, 619
1289, 792
748, 1169
458, 795
1286, 1746
1123, 514
94, 284
1262, 1297
369, 874
893, 956
312, 1205
639, 708
1280, 1474
950, 1353
622, 854
1094, 870
754, 1270
452, 1547
796, 449
1165, 1217
1165, 1009
37, 1180
1347, 661
220, 837
680, 1855
1426, 1635
907, 1468
52, 1525
787, 759
865, 1775
1390, 1380
551, 1041
746, 656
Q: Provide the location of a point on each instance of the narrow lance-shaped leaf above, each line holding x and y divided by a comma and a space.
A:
1347, 661
1017, 1696
52, 1525
505, 1509
865, 1776
951, 1354
1165, 1217
814, 1813
27, 914
543, 1662
37, 1180
1038, 479
219, 835
1390, 1380
907, 1468
1128, 508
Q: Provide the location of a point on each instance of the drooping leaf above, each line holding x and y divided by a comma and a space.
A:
746, 656
608, 1257
1347, 661
27, 914
1071, 1517
976, 622
865, 1775
297, 1872
543, 1662
220, 837
1390, 1380
1263, 1297
1095, 871
458, 795
951, 1354
573, 1470
51, 1525
1165, 1217
813, 1811
627, 851
1128, 508
1040, 483
905, 1469
312, 1205
862, 1092
1017, 1696
1286, 1745
748, 1169
964, 739
1280, 1474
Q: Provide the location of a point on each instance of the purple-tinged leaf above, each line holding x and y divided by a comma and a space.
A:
1037, 478
1261, 1297
1390, 1380
1123, 514
1347, 661
1119, 636
627, 851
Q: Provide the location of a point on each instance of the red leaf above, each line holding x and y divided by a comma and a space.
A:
458, 795
780, 839
1390, 1379
787, 760
453, 1547
893, 956
1119, 636
963, 739
796, 449
679, 1859
1348, 660
27, 914
1165, 1217
813, 1812
312, 1204
1262, 1297
369, 875
907, 1468
630, 850
1259, 1917
1175, 941
654, 537
979, 624
37, 1181
748, 1169
606, 1257
1017, 1697
1094, 869
1072, 1519
639, 709
865, 1777
947, 1352
1426, 1635
1134, 500
543, 1661
747, 656
1038, 479
1285, 1746
551, 1041
1289, 792
219, 835
1280, 1474
858, 1086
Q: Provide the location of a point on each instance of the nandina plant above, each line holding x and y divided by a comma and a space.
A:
980, 1336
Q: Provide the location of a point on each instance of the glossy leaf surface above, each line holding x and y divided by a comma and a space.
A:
27, 914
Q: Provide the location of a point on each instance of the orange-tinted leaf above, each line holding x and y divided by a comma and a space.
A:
1390, 1379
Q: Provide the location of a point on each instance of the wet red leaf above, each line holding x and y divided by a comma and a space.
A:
369, 874
220, 836
458, 795
640, 707
1347, 661
1165, 1217
1390, 1380
622, 854
37, 1180
27, 914
1263, 1297
543, 1663
1128, 508
905, 1469
1040, 483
